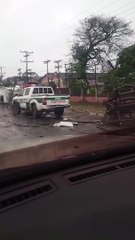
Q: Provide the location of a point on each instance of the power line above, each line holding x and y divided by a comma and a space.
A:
128, 11
104, 6
115, 3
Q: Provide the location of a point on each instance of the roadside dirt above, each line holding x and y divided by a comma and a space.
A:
13, 127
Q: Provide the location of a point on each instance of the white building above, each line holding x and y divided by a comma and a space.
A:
4, 93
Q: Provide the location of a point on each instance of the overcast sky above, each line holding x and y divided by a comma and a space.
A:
46, 27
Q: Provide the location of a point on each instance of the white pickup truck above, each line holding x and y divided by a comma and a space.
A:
39, 99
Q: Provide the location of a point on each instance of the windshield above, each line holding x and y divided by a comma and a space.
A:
67, 120
66, 69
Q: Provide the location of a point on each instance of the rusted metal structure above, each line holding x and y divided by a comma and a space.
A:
120, 106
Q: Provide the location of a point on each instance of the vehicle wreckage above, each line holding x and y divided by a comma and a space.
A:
120, 106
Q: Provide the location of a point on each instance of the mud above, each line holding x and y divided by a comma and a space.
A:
14, 127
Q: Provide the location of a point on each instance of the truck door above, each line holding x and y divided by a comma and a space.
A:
25, 98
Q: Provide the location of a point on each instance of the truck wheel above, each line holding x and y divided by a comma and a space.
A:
59, 112
35, 113
28, 113
16, 108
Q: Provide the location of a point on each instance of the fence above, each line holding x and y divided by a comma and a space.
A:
62, 91
89, 99
78, 97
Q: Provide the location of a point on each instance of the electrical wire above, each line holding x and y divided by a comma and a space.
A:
128, 10
124, 11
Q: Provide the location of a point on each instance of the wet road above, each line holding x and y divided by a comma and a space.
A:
24, 127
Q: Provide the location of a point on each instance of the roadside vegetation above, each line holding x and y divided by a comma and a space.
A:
105, 42
90, 107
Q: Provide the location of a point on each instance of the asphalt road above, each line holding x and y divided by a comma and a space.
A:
14, 127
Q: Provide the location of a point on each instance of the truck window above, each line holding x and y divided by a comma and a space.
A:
50, 90
21, 93
40, 90
35, 91
27, 91
45, 90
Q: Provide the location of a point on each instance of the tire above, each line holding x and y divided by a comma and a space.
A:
28, 113
59, 112
35, 113
16, 108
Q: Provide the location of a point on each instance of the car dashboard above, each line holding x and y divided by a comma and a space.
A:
91, 196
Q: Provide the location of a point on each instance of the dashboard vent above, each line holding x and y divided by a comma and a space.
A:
74, 178
127, 164
25, 194
86, 174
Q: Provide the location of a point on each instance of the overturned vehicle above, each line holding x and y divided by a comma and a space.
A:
120, 106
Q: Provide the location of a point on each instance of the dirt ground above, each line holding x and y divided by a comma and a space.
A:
14, 127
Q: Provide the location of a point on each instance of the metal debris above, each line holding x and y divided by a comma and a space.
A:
63, 124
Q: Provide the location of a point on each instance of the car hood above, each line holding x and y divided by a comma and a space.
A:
32, 152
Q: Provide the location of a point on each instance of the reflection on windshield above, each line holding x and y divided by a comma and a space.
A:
49, 88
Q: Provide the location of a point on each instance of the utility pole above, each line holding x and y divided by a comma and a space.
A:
47, 63
1, 73
66, 70
58, 66
27, 61
96, 85
30, 73
94, 63
19, 72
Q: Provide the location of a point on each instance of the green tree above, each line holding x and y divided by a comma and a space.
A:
98, 38
124, 71
76, 81
126, 62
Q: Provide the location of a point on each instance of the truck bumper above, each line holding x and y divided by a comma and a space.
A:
52, 108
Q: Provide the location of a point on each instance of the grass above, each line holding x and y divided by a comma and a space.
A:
90, 107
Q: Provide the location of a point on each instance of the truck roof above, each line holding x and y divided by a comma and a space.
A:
39, 86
